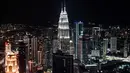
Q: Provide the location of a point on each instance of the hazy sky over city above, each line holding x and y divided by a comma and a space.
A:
43, 12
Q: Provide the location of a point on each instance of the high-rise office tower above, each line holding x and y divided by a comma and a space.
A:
86, 47
80, 48
78, 37
113, 44
63, 30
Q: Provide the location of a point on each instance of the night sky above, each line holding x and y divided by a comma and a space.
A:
46, 12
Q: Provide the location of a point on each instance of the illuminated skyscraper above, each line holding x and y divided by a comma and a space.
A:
80, 48
78, 39
63, 30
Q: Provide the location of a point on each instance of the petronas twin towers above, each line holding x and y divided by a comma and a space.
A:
63, 31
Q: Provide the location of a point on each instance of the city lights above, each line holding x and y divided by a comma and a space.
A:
69, 42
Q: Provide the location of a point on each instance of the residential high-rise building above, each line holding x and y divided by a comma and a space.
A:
105, 47
125, 48
26, 40
31, 50
95, 35
34, 47
40, 51
63, 30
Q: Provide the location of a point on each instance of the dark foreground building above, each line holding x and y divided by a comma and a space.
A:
62, 63
22, 58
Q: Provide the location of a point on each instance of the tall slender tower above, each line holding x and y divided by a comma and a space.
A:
63, 30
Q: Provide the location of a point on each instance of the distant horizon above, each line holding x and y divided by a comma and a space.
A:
85, 25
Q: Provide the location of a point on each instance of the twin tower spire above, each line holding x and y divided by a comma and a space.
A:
63, 6
63, 24
63, 15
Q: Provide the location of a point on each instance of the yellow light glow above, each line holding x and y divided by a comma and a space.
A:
9, 62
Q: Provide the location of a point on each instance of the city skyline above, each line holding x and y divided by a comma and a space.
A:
47, 12
56, 50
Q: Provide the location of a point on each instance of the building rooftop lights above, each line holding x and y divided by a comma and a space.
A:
71, 41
